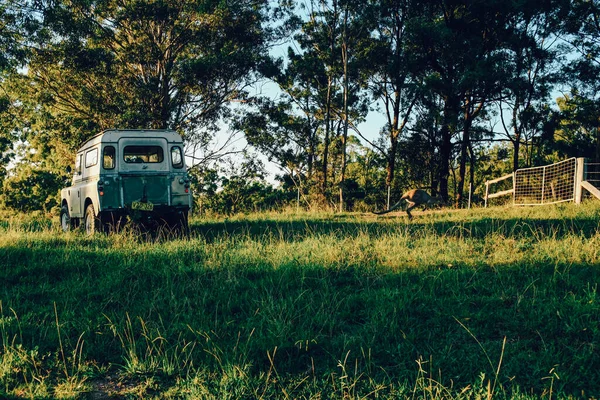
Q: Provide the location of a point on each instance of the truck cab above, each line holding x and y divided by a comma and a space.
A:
122, 175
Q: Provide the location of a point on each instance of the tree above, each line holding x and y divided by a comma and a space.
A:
146, 64
577, 130
30, 188
320, 97
531, 54
394, 80
286, 138
581, 29
16, 25
239, 187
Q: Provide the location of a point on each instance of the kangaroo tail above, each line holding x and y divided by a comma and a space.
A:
392, 208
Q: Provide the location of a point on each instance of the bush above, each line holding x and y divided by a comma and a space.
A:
31, 188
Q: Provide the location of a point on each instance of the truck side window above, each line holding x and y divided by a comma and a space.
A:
78, 164
108, 158
176, 157
143, 154
91, 158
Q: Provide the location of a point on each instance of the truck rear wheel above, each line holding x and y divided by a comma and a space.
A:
90, 222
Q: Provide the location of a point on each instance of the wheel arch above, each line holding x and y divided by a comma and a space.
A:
87, 202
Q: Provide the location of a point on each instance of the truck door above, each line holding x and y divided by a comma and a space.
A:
144, 171
75, 194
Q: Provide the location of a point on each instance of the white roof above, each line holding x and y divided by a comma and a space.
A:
113, 136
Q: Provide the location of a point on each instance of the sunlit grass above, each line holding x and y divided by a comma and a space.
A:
453, 304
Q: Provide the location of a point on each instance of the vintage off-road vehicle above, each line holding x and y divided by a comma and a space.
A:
122, 175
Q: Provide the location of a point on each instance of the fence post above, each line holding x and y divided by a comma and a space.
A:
579, 176
389, 193
487, 191
543, 183
514, 174
470, 191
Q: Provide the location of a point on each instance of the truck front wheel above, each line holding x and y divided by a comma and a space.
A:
65, 219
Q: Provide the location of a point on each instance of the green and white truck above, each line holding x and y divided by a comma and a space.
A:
122, 175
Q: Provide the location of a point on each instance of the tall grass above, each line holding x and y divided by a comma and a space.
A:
483, 303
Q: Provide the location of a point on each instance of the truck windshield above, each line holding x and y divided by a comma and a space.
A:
143, 154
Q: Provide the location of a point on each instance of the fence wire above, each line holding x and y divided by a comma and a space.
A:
547, 184
592, 173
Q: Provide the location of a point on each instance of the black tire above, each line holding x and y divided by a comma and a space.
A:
181, 224
65, 219
177, 224
91, 224
112, 222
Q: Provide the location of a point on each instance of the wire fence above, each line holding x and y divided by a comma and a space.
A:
549, 184
592, 173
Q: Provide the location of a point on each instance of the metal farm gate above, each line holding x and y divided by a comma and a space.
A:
548, 184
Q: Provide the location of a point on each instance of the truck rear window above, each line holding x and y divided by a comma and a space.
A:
108, 157
143, 154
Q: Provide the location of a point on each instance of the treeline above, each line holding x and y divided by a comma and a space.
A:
468, 90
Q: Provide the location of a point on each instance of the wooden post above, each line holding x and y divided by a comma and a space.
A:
470, 191
388, 197
487, 191
543, 183
514, 178
579, 176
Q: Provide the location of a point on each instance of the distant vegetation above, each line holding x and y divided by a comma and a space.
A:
464, 91
494, 303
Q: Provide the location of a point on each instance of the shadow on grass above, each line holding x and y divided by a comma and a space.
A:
298, 230
308, 319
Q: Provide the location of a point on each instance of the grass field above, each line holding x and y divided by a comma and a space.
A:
495, 303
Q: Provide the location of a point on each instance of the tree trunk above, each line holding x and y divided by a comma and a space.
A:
465, 149
312, 147
463, 163
345, 127
327, 135
516, 149
391, 160
471, 166
446, 132
598, 143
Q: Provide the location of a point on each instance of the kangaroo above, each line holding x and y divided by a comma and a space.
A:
414, 198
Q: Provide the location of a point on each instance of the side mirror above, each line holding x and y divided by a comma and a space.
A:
69, 170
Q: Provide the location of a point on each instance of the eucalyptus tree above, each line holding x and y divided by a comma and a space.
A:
460, 47
394, 78
581, 30
7, 48
320, 85
532, 59
286, 128
18, 23
357, 20
147, 64
318, 40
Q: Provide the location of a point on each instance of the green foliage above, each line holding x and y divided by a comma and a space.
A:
30, 188
448, 78
577, 131
139, 64
241, 190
